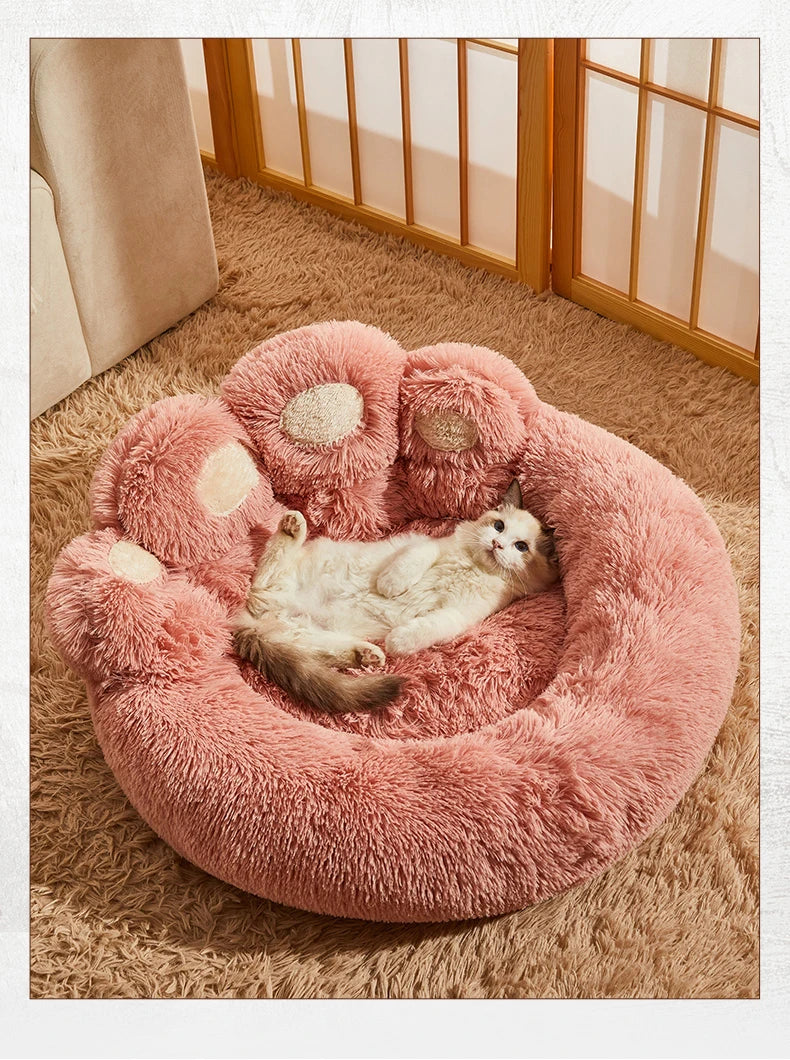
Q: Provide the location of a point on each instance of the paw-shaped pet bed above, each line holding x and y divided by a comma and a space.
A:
521, 759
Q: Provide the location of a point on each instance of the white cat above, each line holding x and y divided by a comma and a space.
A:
319, 605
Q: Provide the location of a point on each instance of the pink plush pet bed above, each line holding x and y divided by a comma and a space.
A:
523, 758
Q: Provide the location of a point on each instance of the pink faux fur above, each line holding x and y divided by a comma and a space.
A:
145, 484
341, 486
521, 759
483, 387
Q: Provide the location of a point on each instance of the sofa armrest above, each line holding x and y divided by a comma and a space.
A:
113, 136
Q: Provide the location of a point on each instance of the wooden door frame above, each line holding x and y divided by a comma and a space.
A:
567, 277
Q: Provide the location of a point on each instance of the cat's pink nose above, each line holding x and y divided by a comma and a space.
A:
495, 544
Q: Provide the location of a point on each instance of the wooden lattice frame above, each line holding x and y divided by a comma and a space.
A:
550, 130
230, 70
570, 62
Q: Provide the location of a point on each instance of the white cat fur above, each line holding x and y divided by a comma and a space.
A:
323, 603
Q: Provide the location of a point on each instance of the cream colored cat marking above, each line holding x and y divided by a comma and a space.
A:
321, 604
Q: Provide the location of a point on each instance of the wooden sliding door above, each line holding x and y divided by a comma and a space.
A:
446, 142
656, 189
622, 172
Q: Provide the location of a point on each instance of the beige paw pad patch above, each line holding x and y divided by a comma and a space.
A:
323, 414
447, 431
133, 563
226, 479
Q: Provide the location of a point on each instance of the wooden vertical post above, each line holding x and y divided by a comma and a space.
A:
565, 163
533, 166
463, 145
301, 111
353, 132
245, 113
223, 125
639, 170
405, 111
707, 170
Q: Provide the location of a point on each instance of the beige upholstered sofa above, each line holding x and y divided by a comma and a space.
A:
121, 241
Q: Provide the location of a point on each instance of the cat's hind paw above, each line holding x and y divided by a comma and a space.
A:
293, 525
370, 655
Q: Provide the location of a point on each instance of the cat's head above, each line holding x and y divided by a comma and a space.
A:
510, 541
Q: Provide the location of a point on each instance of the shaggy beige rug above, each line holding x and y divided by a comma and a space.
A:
116, 913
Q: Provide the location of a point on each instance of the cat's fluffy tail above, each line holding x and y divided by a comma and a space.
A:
304, 677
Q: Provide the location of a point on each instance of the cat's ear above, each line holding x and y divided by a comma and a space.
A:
546, 546
512, 496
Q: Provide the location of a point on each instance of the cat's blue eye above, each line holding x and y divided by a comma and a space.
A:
522, 546
499, 526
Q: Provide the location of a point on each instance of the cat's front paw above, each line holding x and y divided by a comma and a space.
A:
293, 525
392, 581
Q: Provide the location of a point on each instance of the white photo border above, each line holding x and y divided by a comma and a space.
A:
528, 1028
